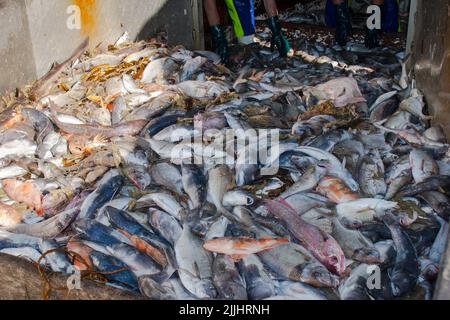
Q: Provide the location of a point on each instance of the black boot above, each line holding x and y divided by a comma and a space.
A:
220, 43
278, 39
372, 38
343, 24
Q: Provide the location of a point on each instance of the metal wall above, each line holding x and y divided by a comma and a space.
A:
37, 33
431, 63
431, 57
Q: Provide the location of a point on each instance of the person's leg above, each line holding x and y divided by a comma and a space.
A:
217, 31
343, 23
271, 8
242, 13
278, 39
212, 13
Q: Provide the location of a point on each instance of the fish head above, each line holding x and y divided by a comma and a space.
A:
400, 284
316, 275
334, 258
431, 271
138, 176
233, 291
152, 290
367, 255
351, 183
204, 289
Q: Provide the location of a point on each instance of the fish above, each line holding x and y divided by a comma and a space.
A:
135, 170
220, 180
166, 202
290, 290
414, 105
323, 246
438, 247
423, 166
115, 271
82, 260
371, 175
430, 184
138, 175
42, 125
258, 283
57, 260
165, 225
194, 183
365, 210
336, 167
234, 198
438, 201
354, 287
293, 262
169, 176
48, 229
107, 187
95, 232
229, 283
404, 275
131, 128
195, 265
144, 240
151, 289
9, 216
138, 263
43, 87
237, 248
335, 190
309, 180
354, 244
24, 192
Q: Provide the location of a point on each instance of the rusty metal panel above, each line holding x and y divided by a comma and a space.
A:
431, 63
431, 56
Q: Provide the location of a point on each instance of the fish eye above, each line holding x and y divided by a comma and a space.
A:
317, 274
334, 259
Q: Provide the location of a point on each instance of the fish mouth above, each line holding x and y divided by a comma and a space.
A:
319, 276
367, 256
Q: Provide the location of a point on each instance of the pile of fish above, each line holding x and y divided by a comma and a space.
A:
103, 167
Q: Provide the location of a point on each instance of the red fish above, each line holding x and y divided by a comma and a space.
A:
238, 248
84, 252
335, 190
25, 192
322, 245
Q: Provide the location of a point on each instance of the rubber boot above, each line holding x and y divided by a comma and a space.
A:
278, 39
343, 24
220, 43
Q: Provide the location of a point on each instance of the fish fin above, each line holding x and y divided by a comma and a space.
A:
100, 140
72, 159
116, 154
196, 270
227, 214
